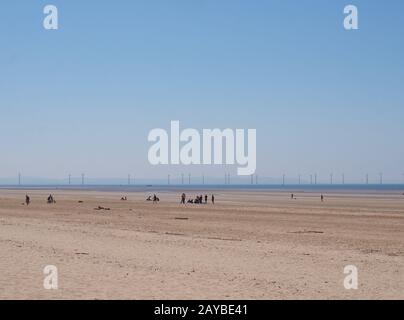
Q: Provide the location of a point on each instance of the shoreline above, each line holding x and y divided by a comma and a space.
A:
392, 190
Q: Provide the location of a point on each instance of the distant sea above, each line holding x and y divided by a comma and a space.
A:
349, 188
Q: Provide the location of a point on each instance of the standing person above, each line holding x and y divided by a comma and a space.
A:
183, 196
27, 200
206, 198
292, 196
213, 199
322, 198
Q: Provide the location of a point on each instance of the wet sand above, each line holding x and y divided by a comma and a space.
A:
249, 245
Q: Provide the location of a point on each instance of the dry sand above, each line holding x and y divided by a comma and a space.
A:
260, 245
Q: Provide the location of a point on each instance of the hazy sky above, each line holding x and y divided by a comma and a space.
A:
84, 98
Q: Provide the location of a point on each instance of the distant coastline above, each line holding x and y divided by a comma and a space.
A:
346, 188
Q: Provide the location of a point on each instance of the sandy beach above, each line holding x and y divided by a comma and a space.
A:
249, 245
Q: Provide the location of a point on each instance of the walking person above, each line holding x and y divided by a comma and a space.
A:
213, 199
27, 200
183, 196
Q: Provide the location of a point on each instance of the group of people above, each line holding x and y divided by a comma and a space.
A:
154, 198
49, 200
198, 199
292, 196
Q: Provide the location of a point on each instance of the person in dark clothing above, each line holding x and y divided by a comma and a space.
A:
50, 199
27, 200
183, 196
213, 199
206, 198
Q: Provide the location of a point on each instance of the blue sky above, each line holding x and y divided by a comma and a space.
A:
83, 98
